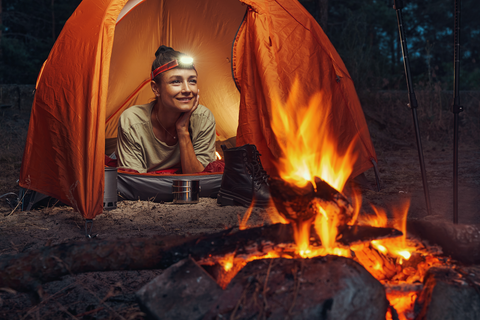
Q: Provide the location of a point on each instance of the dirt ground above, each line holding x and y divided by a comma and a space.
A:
111, 295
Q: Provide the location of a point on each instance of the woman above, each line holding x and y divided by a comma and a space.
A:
173, 131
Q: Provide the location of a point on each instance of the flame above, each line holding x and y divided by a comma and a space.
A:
326, 229
400, 214
396, 247
357, 205
307, 144
301, 234
218, 155
246, 216
378, 219
309, 150
274, 216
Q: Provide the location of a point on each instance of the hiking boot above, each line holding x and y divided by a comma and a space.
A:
244, 178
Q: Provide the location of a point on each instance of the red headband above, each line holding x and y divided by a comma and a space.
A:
167, 66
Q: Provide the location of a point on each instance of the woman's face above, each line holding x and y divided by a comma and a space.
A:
177, 89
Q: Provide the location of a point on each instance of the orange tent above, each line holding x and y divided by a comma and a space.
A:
100, 65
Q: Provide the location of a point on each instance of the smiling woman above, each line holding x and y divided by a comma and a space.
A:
173, 131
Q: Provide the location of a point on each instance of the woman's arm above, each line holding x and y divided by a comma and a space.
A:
188, 158
128, 152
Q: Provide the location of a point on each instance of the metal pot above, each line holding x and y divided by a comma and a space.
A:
110, 191
186, 191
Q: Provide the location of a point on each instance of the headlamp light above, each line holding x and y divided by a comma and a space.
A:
186, 61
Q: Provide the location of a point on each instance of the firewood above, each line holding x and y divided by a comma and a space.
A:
27, 271
301, 203
460, 241
375, 262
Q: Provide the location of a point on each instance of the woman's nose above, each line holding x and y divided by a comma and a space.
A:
186, 87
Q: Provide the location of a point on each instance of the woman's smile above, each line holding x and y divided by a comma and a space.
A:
177, 89
185, 99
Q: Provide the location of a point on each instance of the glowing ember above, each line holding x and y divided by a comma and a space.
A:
403, 304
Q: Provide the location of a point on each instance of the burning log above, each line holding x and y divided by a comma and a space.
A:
301, 203
377, 264
27, 271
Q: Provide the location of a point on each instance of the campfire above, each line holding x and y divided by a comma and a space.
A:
308, 195
323, 255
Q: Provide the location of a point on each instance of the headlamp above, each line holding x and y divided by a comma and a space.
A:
186, 61
183, 62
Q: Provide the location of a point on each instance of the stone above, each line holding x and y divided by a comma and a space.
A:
329, 287
448, 295
183, 291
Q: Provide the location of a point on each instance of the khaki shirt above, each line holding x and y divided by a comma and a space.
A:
139, 149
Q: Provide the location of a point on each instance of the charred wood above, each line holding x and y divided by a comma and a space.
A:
300, 203
376, 263
27, 271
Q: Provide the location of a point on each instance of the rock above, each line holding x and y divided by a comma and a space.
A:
447, 295
184, 291
328, 287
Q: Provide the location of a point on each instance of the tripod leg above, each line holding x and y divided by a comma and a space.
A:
398, 5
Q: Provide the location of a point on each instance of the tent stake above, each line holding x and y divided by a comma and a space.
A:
88, 229
398, 5
456, 108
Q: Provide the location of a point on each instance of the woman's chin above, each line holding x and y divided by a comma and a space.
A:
184, 107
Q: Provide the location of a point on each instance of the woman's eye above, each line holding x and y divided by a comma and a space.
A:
193, 81
176, 81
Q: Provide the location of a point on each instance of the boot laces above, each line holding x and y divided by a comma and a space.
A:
255, 167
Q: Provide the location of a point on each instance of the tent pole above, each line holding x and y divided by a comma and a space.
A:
456, 108
398, 5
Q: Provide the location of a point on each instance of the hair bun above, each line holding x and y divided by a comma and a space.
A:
163, 49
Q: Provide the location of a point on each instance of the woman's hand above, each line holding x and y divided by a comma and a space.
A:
184, 119
188, 158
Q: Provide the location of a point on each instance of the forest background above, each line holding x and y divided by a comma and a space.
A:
365, 33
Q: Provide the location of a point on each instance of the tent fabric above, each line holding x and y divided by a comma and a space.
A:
100, 65
278, 42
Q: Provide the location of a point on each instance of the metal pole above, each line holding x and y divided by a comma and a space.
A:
456, 108
398, 5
